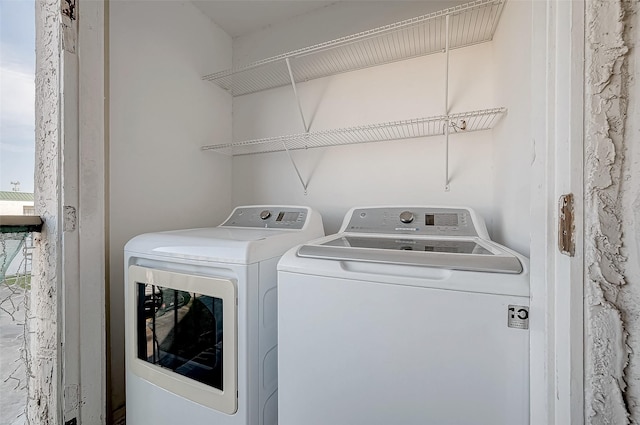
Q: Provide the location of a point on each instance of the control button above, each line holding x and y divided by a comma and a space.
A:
406, 217
265, 214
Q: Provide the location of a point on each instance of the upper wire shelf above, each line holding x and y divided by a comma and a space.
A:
470, 23
397, 130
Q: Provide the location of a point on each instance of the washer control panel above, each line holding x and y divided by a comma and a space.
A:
270, 217
412, 220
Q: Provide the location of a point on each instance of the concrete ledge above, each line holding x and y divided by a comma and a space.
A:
20, 223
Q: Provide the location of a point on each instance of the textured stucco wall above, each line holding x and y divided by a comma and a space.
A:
630, 188
629, 297
42, 324
612, 188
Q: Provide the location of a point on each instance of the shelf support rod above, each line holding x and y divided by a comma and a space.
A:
293, 162
295, 92
304, 124
446, 107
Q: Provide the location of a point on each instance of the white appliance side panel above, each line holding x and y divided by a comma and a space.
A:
248, 387
261, 358
267, 354
354, 352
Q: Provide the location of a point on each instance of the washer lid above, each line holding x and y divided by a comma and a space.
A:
473, 254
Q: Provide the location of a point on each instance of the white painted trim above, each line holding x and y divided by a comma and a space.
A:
70, 290
556, 280
92, 210
570, 179
541, 349
83, 190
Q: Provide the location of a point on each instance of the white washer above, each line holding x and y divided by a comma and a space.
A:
406, 316
201, 318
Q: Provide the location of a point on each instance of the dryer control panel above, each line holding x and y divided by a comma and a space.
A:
412, 220
270, 217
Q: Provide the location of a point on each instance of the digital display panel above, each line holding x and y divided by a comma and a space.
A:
441, 219
288, 216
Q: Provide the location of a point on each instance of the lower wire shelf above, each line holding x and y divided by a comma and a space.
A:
419, 127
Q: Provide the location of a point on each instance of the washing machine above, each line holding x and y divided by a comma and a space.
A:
409, 315
201, 318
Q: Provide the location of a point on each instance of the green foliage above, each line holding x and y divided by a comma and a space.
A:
21, 281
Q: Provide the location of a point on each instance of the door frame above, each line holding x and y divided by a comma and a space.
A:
557, 281
557, 386
83, 196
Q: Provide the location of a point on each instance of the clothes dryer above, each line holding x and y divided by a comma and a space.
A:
201, 318
409, 315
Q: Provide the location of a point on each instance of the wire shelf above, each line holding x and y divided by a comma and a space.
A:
471, 23
397, 130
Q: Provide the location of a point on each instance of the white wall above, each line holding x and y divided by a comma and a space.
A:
399, 172
161, 114
513, 153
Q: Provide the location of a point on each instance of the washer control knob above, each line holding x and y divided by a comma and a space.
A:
406, 217
265, 214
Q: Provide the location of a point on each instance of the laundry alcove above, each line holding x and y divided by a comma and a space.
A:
162, 112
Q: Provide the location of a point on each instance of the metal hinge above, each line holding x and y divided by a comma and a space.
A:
70, 219
69, 9
71, 403
566, 226
69, 25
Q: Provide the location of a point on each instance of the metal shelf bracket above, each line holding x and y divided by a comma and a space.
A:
295, 92
304, 125
447, 187
293, 162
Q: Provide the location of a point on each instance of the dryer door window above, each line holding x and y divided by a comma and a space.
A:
181, 331
182, 334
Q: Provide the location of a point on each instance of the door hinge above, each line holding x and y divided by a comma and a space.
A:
566, 226
70, 219
69, 25
69, 9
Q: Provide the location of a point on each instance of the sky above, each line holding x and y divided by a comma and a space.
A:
17, 90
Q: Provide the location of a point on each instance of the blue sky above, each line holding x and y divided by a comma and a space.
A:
17, 65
